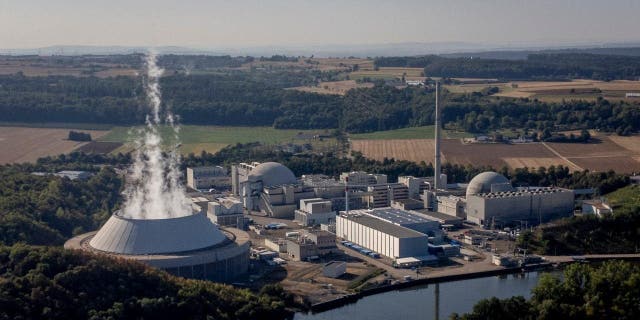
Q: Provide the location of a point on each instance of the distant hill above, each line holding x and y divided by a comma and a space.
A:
523, 54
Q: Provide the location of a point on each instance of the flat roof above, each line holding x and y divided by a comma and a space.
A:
393, 215
437, 215
382, 226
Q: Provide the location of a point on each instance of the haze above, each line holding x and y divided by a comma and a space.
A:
210, 24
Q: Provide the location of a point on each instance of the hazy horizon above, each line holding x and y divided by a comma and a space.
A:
242, 24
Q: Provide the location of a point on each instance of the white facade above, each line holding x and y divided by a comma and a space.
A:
362, 178
416, 185
382, 237
315, 211
225, 211
539, 205
208, 177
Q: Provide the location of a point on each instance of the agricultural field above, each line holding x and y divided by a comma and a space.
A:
31, 68
195, 139
321, 64
606, 153
389, 73
555, 91
334, 87
23, 144
424, 132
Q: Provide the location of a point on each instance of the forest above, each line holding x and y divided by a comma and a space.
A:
584, 292
260, 99
542, 66
54, 283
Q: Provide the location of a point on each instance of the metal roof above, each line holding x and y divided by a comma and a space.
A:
383, 226
395, 216
153, 236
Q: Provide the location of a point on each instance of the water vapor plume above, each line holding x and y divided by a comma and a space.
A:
154, 191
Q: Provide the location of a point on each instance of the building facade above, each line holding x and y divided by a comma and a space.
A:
208, 177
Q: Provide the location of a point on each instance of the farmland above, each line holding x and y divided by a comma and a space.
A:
555, 91
423, 132
607, 152
213, 138
388, 73
21, 144
334, 87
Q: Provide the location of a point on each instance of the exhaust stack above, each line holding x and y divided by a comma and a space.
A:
436, 169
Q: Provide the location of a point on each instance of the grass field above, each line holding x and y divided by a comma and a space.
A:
424, 132
213, 138
22, 144
334, 87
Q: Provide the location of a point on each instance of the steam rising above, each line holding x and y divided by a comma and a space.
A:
155, 191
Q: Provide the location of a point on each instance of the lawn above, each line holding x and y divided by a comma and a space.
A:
424, 132
213, 138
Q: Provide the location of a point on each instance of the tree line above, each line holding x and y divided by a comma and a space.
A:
607, 291
543, 66
261, 99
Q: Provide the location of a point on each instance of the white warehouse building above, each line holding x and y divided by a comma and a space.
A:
387, 239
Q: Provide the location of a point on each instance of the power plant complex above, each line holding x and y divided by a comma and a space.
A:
402, 221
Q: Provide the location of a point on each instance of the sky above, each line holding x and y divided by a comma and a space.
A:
239, 23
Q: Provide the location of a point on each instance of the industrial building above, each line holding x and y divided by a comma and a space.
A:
416, 186
315, 211
334, 191
269, 187
334, 269
311, 244
200, 178
361, 178
402, 218
189, 246
225, 211
534, 206
385, 238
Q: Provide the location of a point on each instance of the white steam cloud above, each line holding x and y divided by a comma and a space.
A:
155, 191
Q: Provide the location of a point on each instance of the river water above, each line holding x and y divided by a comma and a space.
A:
420, 302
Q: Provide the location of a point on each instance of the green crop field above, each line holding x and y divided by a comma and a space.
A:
425, 132
211, 138
625, 200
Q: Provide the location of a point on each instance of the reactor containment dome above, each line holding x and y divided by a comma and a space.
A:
488, 181
272, 174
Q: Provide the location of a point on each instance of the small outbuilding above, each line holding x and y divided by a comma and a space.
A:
334, 269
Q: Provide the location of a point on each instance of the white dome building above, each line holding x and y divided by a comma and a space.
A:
269, 187
488, 181
190, 246
272, 174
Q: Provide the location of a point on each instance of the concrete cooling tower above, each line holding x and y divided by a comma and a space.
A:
190, 246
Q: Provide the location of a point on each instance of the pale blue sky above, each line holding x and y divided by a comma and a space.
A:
38, 23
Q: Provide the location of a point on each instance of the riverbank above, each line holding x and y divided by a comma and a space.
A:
456, 275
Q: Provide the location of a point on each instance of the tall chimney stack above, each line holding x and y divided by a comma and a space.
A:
436, 171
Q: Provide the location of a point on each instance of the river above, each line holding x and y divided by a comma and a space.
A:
421, 303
